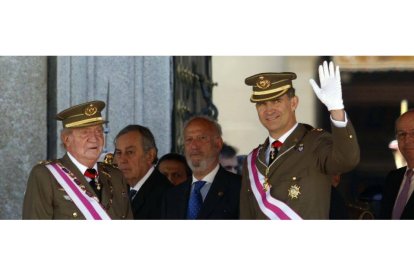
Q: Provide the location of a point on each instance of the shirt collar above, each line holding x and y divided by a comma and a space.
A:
210, 176
80, 166
284, 136
142, 180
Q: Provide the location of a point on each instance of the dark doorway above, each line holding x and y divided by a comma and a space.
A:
372, 101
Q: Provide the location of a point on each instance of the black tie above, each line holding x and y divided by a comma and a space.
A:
132, 194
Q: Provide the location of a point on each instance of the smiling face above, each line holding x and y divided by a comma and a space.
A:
85, 144
278, 116
405, 136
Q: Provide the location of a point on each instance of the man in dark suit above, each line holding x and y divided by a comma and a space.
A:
212, 192
136, 155
77, 186
289, 176
397, 200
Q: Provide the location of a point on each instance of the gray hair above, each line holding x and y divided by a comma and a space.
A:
213, 123
148, 140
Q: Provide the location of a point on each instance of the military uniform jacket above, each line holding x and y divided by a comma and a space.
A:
303, 166
46, 199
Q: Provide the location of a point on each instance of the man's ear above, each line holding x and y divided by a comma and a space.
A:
294, 102
151, 155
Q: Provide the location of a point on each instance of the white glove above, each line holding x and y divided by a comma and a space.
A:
330, 92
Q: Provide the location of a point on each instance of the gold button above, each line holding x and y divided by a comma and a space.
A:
75, 214
350, 136
294, 178
123, 217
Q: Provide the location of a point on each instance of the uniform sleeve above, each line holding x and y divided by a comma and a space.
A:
38, 199
338, 153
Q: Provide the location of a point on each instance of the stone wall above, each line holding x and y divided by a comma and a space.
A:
23, 137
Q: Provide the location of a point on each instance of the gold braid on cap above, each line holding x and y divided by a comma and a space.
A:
78, 123
282, 88
267, 99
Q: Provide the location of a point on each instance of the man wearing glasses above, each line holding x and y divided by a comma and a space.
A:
397, 202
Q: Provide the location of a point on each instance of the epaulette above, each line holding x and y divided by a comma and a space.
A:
44, 162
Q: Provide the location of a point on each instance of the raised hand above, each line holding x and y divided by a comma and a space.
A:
330, 92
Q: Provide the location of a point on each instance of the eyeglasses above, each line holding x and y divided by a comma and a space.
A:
401, 135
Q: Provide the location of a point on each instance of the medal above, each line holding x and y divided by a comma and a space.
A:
294, 191
266, 184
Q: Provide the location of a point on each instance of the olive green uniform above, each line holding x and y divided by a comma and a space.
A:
46, 199
301, 175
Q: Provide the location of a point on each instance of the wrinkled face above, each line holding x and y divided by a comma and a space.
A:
85, 144
202, 145
230, 164
278, 116
131, 158
405, 137
174, 170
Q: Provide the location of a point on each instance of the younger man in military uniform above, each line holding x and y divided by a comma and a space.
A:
77, 186
289, 175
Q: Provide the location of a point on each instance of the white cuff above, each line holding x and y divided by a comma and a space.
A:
340, 123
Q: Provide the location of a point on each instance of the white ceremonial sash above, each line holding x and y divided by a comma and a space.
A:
89, 207
271, 207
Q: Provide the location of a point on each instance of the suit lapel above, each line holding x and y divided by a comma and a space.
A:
396, 184
182, 199
216, 192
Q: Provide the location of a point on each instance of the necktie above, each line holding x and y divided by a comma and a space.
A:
91, 173
274, 150
196, 200
402, 198
96, 186
132, 194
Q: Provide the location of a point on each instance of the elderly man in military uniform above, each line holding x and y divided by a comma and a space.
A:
77, 186
289, 176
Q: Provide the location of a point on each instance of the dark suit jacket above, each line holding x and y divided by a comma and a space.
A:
392, 186
147, 202
221, 202
46, 199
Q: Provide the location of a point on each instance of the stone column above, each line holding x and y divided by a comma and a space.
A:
23, 133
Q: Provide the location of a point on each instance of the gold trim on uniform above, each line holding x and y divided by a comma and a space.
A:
90, 110
294, 191
282, 88
266, 99
78, 123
